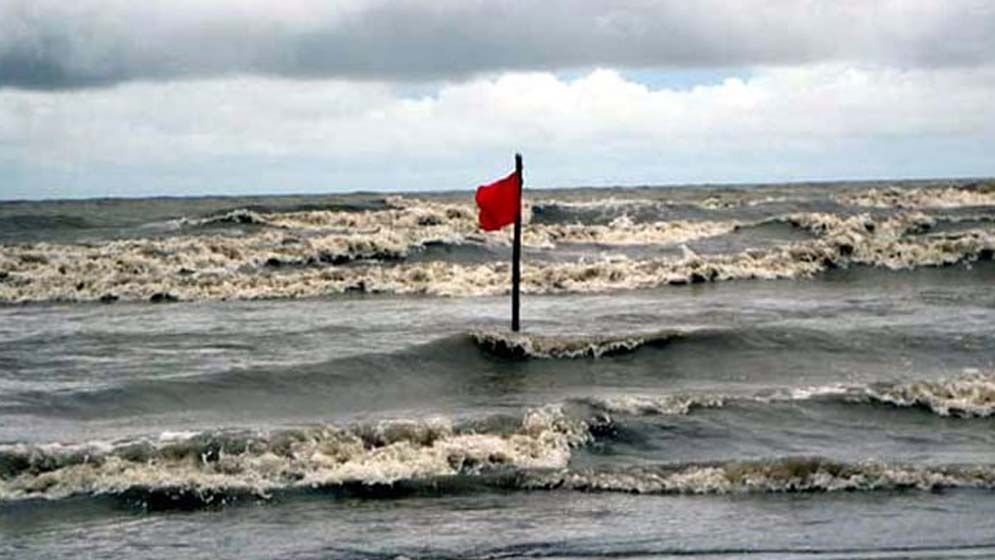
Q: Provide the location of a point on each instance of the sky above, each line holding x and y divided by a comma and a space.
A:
196, 97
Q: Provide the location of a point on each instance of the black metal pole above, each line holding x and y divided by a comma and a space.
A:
516, 248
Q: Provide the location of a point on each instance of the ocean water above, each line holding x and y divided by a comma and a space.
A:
772, 371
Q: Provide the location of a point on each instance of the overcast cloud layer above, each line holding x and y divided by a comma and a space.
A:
118, 97
51, 44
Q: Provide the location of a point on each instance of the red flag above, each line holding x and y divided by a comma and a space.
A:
498, 202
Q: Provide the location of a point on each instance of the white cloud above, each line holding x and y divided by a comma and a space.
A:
147, 123
778, 117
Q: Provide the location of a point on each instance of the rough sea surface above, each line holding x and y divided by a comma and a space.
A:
772, 371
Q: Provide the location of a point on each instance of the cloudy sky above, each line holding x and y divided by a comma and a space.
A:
177, 97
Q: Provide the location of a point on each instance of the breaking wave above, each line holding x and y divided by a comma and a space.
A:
523, 345
624, 231
660, 405
184, 470
529, 451
601, 210
457, 223
793, 474
616, 204
971, 194
221, 463
971, 395
320, 252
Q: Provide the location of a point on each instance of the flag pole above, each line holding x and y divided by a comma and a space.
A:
516, 248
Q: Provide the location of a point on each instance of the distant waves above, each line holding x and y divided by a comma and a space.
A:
311, 253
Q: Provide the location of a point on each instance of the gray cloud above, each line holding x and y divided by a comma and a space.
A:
53, 44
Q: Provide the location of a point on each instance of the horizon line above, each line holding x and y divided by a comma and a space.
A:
437, 191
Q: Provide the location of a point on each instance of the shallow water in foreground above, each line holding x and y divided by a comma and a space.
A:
779, 372
514, 525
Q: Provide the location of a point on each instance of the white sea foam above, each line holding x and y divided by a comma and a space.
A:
306, 247
624, 231
614, 204
979, 194
971, 395
304, 458
775, 476
285, 263
648, 405
609, 203
538, 447
717, 202
526, 345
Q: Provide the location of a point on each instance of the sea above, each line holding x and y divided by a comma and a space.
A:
765, 371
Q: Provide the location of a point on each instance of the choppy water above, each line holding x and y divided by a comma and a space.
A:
778, 371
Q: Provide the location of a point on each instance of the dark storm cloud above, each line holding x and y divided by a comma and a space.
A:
47, 44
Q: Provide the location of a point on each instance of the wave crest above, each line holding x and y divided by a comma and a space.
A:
524, 345
283, 263
972, 395
793, 474
972, 194
644, 405
534, 449
259, 463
